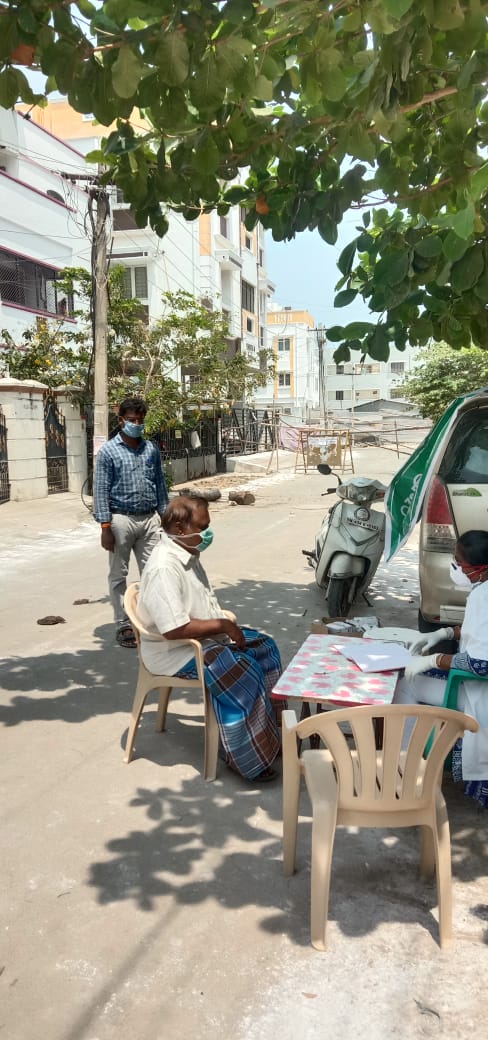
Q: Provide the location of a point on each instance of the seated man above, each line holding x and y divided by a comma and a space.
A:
241, 665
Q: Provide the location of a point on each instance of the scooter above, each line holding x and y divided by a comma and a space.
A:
349, 545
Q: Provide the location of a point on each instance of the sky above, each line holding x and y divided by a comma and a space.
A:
304, 272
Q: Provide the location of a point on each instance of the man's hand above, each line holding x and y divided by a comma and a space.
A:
235, 633
108, 539
427, 642
420, 664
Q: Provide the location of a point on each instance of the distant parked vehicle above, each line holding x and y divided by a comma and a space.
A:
456, 501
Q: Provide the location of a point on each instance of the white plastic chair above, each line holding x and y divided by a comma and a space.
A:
363, 786
147, 681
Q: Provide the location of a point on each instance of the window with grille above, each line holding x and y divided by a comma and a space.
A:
284, 379
248, 241
249, 325
247, 296
398, 366
339, 370
135, 283
26, 283
224, 227
284, 346
339, 395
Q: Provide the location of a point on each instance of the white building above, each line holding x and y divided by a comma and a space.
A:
294, 341
214, 258
348, 385
43, 223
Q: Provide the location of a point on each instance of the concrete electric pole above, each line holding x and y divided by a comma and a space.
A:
100, 314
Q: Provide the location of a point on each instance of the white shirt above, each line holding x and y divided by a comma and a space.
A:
473, 696
174, 590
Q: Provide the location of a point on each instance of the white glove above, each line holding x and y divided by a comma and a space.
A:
420, 664
426, 643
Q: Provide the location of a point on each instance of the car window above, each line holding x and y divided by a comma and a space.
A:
466, 457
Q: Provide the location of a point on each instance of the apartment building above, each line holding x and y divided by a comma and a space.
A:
43, 223
295, 344
214, 258
350, 384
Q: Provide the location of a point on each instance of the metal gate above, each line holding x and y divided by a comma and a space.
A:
4, 481
55, 433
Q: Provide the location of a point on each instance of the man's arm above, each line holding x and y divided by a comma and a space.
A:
161, 490
101, 488
197, 629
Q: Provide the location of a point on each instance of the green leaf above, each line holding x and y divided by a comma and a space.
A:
377, 344
429, 247
26, 21
453, 246
360, 144
263, 89
9, 88
358, 329
466, 272
336, 333
461, 222
335, 85
346, 258
327, 229
173, 59
127, 72
448, 14
206, 156
345, 297
397, 8
479, 182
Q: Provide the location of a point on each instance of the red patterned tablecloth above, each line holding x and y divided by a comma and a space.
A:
320, 673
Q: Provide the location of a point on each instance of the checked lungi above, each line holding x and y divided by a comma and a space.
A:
239, 683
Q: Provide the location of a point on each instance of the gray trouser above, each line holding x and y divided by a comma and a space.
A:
138, 534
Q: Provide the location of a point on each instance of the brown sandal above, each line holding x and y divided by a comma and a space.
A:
125, 637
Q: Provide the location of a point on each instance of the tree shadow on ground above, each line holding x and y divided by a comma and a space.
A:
75, 686
221, 842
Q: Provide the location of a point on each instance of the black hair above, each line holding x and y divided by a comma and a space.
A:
474, 547
181, 510
132, 404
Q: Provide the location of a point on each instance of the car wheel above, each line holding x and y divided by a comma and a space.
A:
427, 626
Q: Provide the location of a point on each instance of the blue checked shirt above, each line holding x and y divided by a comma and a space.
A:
128, 480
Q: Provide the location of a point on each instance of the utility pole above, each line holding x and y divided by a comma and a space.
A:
100, 314
321, 340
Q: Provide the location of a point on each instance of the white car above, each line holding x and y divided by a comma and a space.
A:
456, 501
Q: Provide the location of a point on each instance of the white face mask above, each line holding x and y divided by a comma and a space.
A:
458, 577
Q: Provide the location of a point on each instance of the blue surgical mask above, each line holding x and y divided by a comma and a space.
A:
132, 429
206, 539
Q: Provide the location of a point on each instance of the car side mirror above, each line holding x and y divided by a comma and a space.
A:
324, 469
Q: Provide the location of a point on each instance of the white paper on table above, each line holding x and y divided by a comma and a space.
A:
375, 657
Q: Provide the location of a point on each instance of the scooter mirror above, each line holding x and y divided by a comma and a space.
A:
324, 469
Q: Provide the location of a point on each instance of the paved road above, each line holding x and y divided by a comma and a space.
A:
139, 901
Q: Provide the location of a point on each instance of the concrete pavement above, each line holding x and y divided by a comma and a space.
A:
139, 901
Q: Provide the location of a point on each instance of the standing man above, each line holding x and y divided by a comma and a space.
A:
129, 492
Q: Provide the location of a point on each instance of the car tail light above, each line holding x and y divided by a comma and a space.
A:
439, 533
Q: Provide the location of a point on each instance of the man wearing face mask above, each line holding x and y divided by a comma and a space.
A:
129, 493
241, 664
425, 678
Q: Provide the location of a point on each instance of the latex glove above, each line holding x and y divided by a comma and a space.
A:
420, 664
428, 642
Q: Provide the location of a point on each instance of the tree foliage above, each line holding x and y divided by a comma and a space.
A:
322, 107
145, 360
442, 375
